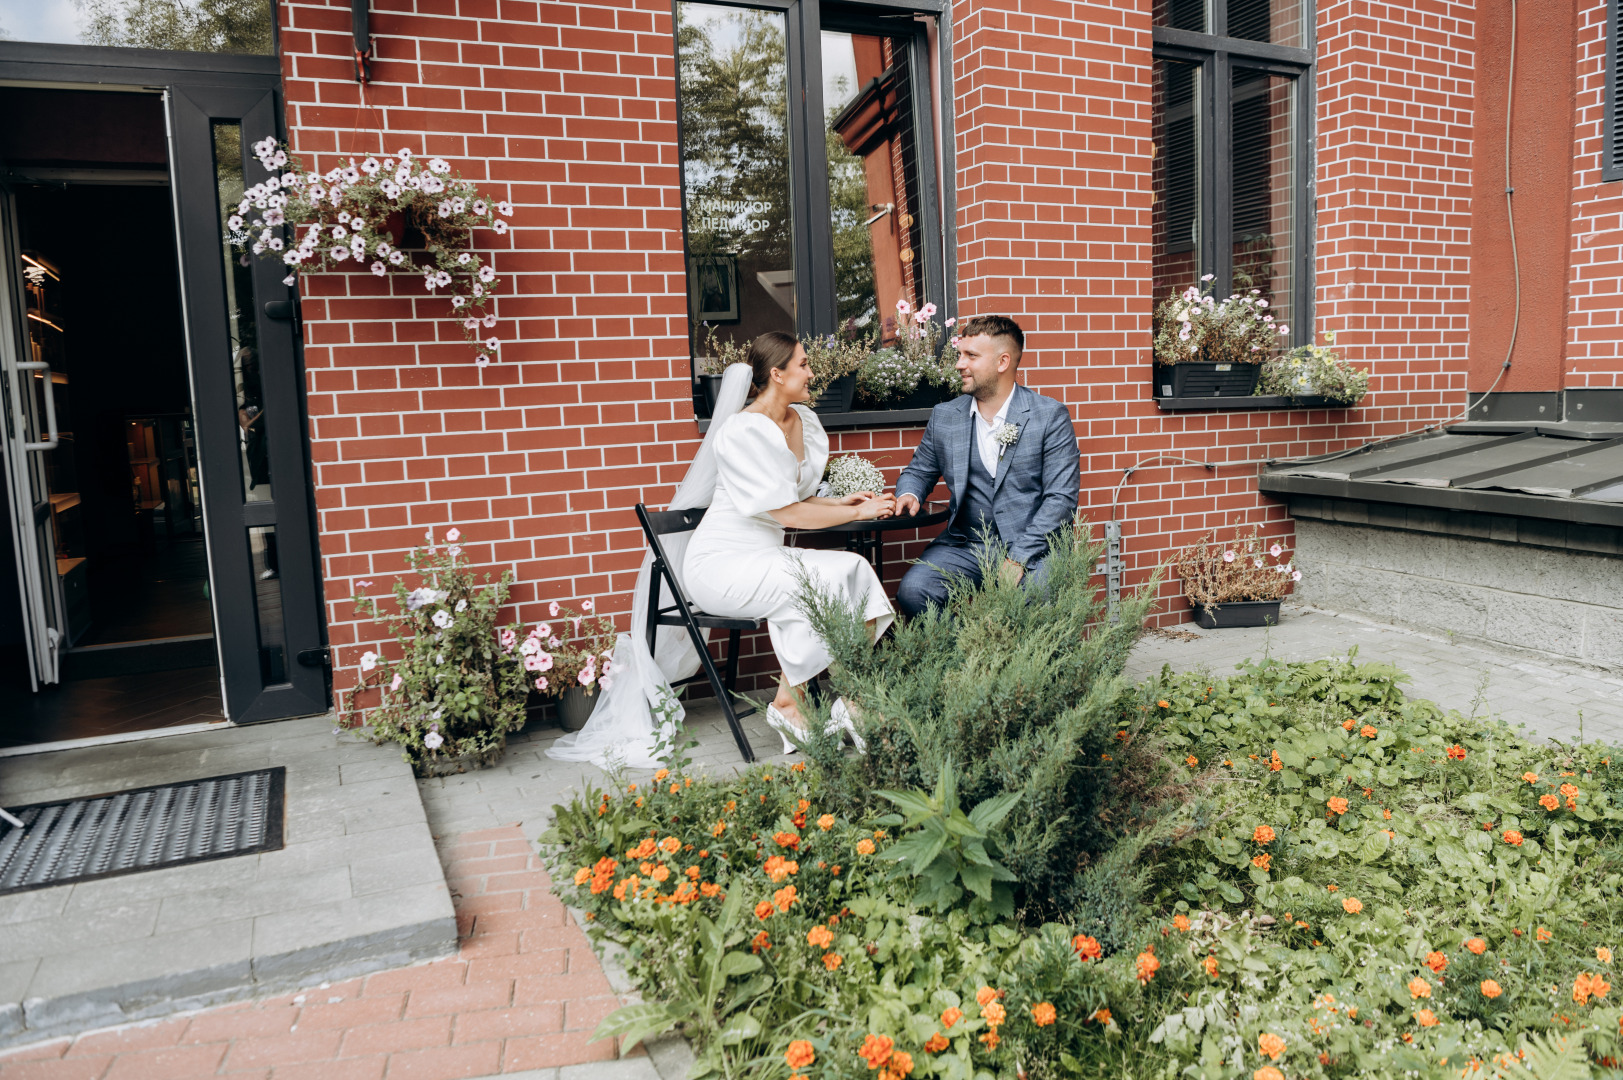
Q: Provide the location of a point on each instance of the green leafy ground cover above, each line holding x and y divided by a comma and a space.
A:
1292, 871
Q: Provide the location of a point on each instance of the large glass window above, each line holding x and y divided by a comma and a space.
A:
810, 176
220, 26
1231, 177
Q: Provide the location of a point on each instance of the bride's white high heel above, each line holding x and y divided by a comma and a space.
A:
840, 719
784, 728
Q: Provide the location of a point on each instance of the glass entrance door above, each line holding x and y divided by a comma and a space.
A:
248, 404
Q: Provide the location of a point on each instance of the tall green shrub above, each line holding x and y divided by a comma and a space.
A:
1019, 685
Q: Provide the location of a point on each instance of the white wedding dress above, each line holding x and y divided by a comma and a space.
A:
737, 565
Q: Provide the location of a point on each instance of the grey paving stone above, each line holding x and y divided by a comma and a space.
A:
339, 922
35, 904
202, 957
15, 976
283, 892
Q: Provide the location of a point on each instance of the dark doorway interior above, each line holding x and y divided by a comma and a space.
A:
96, 239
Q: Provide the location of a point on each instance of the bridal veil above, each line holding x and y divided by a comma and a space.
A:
622, 728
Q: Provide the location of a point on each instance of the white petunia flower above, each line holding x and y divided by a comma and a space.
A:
494, 344
479, 207
490, 320
481, 360
369, 660
288, 281
379, 269
457, 301
487, 273
464, 258
339, 254
339, 232
396, 258
499, 228
439, 165
504, 208
370, 166
433, 740
442, 618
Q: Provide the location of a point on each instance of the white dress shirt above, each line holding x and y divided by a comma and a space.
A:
986, 434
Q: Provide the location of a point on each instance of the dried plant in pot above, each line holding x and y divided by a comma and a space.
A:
1206, 346
715, 355
1236, 583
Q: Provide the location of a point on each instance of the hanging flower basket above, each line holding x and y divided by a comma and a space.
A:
315, 222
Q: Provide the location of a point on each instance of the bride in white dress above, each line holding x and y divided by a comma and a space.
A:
770, 458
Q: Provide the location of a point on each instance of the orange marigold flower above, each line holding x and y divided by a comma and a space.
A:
661, 872
1147, 965
1572, 804
676, 789
832, 961
1086, 948
1210, 964
719, 828
583, 875
901, 1063
760, 942
1164, 703
1530, 777
1476, 945
1419, 988
1191, 761
1331, 888
984, 996
1348, 724
709, 888
1262, 862
1271, 1046
1513, 837
1587, 985
1043, 1014
993, 1014
877, 1049
1337, 805
1275, 763
1263, 834
865, 846
800, 1054
764, 909
1491, 989
1436, 961
799, 766
1408, 1036
1544, 935
1352, 905
991, 1040
692, 872
1549, 802
826, 822
951, 1017
1426, 1018
819, 936
1386, 814
937, 1043
1267, 1072
1603, 954
1368, 732
786, 840
1101, 1015
784, 898
1568, 791
1180, 922
662, 774
1457, 752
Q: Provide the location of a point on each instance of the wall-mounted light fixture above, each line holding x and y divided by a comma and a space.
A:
360, 20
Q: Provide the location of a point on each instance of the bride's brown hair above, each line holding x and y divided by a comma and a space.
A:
770, 352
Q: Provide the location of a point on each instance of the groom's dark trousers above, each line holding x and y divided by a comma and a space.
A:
1033, 494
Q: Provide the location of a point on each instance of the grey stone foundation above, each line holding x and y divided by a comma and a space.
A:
1560, 604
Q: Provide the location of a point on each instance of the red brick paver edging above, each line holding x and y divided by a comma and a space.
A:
525, 991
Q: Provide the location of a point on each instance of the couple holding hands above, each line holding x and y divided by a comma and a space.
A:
1008, 455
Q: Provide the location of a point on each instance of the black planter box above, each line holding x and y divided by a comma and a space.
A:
1202, 379
1237, 614
709, 388
836, 397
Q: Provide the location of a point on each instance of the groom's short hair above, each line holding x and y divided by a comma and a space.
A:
996, 326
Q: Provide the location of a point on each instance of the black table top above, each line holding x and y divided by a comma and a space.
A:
931, 513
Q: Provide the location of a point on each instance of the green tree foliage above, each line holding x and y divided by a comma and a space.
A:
1022, 685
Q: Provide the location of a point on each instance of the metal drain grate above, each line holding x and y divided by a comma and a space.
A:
144, 829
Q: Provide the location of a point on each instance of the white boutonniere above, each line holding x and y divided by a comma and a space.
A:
1006, 436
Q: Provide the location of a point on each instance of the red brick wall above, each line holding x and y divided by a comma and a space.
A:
568, 109
1594, 354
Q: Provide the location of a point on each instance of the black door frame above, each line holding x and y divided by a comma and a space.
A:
200, 89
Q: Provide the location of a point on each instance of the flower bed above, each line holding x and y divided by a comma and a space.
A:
1303, 874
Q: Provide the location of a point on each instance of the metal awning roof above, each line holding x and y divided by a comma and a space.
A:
1567, 472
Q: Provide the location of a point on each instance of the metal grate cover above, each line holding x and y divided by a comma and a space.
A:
143, 829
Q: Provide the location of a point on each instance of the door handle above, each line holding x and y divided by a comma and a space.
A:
50, 406
280, 310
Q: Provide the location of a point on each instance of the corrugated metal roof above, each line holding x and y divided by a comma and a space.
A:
1568, 472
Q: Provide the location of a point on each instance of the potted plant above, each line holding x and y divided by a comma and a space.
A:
453, 693
1206, 347
1235, 584
719, 354
570, 657
834, 363
1314, 374
918, 370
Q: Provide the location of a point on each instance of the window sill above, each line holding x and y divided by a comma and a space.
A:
859, 418
1253, 403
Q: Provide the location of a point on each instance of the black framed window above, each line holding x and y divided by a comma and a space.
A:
209, 26
1232, 182
810, 169
1611, 158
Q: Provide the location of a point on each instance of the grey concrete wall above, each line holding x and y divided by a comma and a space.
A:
1555, 603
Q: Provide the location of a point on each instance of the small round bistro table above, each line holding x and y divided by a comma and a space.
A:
867, 537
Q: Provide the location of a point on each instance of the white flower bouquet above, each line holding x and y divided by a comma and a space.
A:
451, 690
315, 222
1194, 325
849, 474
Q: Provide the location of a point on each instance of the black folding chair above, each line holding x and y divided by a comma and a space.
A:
657, 523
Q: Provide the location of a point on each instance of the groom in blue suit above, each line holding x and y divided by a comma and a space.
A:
1010, 460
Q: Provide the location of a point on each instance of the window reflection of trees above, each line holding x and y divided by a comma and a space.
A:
223, 26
